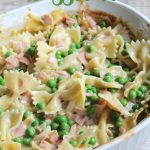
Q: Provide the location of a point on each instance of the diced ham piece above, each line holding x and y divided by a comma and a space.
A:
69, 21
41, 128
26, 98
50, 142
50, 116
48, 19
21, 46
122, 130
46, 145
43, 76
12, 62
80, 117
109, 133
23, 60
20, 130
82, 58
54, 137
52, 60
129, 106
91, 22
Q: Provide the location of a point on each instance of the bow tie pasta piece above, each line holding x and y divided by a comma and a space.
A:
21, 42
139, 52
46, 58
122, 31
41, 96
7, 100
20, 82
101, 133
135, 84
98, 82
99, 49
34, 24
60, 38
82, 135
114, 103
9, 121
71, 61
71, 91
96, 62
109, 41
10, 145
45, 140
75, 34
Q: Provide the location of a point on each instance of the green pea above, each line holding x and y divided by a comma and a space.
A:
125, 68
140, 95
84, 141
135, 107
59, 78
108, 78
88, 73
31, 51
1, 111
114, 115
18, 139
123, 102
63, 132
40, 116
61, 119
71, 70
26, 141
74, 25
60, 62
94, 90
2, 81
53, 90
64, 126
73, 45
81, 38
96, 72
71, 122
112, 90
58, 54
92, 141
40, 105
30, 132
35, 123
102, 23
94, 99
52, 83
131, 78
78, 45
64, 54
54, 125
33, 44
115, 132
27, 114
91, 111
8, 54
143, 88
88, 87
90, 48
119, 123
73, 142
132, 94
124, 52
109, 74
121, 80
71, 51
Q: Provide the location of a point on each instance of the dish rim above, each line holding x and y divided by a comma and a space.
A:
146, 121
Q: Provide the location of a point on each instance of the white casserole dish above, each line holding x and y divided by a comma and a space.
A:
133, 139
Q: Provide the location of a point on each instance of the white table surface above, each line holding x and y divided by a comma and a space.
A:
142, 5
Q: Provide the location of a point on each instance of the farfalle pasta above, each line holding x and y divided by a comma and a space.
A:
69, 81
